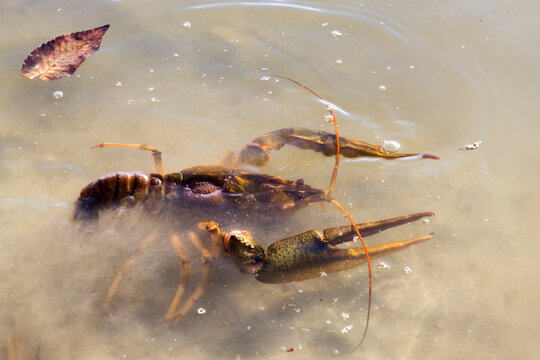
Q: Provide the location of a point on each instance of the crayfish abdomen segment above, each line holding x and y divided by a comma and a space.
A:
123, 189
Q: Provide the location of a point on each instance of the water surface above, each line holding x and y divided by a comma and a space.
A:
189, 78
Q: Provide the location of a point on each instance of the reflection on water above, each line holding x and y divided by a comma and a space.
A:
432, 77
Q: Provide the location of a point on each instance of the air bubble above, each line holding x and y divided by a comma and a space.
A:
58, 94
344, 315
390, 146
346, 329
323, 274
201, 311
407, 270
186, 24
383, 266
425, 221
382, 88
336, 33
118, 83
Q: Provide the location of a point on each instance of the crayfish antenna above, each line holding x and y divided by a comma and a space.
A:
368, 261
331, 109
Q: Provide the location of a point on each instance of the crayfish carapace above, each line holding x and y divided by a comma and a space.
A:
229, 192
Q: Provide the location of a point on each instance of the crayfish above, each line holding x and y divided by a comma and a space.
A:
225, 193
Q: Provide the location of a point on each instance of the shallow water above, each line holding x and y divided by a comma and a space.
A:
433, 76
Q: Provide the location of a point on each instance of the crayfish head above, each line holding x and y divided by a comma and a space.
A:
248, 256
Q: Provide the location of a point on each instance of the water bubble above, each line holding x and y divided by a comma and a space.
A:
118, 83
346, 329
336, 33
328, 118
383, 266
390, 146
355, 238
382, 88
201, 311
407, 270
344, 315
425, 221
323, 274
339, 61
58, 94
324, 24
186, 24
265, 78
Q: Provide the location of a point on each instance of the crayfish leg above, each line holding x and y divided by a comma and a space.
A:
126, 265
155, 152
185, 273
209, 257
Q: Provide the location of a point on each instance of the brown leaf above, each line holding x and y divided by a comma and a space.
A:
61, 56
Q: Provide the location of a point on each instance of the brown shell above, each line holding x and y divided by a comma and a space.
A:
61, 56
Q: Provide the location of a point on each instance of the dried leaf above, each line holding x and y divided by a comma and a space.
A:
61, 56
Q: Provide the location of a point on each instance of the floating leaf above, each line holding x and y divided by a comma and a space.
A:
61, 56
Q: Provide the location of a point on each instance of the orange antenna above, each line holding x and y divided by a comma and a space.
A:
331, 109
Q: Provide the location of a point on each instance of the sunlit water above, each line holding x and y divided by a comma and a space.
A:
190, 79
